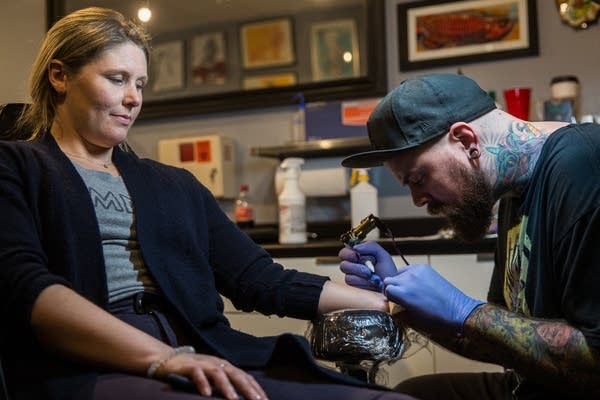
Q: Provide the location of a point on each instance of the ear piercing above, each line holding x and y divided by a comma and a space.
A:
474, 154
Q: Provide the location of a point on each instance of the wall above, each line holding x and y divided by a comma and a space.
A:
21, 33
562, 51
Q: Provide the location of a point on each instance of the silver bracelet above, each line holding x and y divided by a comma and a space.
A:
172, 353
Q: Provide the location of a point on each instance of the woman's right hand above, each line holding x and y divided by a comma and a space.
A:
211, 373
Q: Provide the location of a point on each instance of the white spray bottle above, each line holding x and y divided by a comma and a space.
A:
363, 200
292, 204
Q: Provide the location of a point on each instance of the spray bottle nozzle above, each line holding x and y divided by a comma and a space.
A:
292, 162
292, 166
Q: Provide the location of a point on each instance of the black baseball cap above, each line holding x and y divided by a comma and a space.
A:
419, 110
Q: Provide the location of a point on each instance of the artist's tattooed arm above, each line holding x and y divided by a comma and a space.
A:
547, 351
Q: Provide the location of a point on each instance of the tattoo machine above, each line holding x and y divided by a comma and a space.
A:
358, 234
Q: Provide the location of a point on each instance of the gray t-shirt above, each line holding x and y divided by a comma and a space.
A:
126, 271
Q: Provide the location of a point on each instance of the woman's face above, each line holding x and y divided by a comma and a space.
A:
103, 99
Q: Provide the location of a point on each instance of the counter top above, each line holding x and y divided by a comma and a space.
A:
412, 236
330, 248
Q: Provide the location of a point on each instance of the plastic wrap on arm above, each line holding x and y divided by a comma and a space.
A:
357, 335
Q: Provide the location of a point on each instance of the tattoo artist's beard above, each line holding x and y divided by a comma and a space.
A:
472, 216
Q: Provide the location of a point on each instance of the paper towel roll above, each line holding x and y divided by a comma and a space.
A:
321, 182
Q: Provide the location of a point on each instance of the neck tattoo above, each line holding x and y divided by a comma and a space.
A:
105, 164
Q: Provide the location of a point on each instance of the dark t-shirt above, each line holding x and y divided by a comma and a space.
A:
548, 258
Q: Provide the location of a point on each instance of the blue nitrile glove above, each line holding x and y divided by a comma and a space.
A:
431, 303
358, 261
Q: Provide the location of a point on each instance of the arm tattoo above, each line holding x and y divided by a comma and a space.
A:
550, 352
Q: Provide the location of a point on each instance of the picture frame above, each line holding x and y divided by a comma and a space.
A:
268, 43
198, 99
335, 50
208, 58
168, 66
435, 33
264, 81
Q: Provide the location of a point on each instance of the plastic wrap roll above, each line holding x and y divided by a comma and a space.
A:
356, 335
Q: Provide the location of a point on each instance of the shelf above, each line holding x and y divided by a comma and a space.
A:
315, 149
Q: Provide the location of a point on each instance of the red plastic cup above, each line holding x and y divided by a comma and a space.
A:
517, 102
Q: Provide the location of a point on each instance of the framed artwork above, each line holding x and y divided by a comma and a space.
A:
440, 32
207, 58
269, 80
334, 50
168, 66
182, 94
267, 43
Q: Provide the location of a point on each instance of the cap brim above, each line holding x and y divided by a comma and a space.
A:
368, 159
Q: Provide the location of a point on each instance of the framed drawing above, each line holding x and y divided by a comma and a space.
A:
334, 50
168, 66
269, 80
441, 32
207, 58
267, 43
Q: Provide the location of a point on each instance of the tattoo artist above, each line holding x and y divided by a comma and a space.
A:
443, 137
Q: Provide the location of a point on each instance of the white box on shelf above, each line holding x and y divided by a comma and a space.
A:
211, 158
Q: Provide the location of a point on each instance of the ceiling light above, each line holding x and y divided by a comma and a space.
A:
144, 14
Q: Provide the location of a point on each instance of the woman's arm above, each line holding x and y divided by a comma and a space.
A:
338, 296
71, 326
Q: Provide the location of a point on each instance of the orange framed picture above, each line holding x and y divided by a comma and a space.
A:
433, 33
267, 43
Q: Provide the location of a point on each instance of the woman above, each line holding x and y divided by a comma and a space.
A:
111, 266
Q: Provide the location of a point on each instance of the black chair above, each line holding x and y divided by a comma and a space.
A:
3, 389
8, 116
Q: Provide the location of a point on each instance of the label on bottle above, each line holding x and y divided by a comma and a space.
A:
244, 214
292, 223
298, 127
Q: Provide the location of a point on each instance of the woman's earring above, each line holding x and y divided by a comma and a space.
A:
474, 154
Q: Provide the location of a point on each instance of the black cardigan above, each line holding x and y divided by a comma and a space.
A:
49, 234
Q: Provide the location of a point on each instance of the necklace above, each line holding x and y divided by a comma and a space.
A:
104, 164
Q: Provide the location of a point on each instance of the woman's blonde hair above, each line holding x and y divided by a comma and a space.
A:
75, 40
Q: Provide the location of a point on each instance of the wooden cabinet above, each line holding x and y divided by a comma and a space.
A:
465, 271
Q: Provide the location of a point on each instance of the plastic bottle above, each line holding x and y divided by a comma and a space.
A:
298, 120
244, 212
364, 201
292, 204
566, 87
